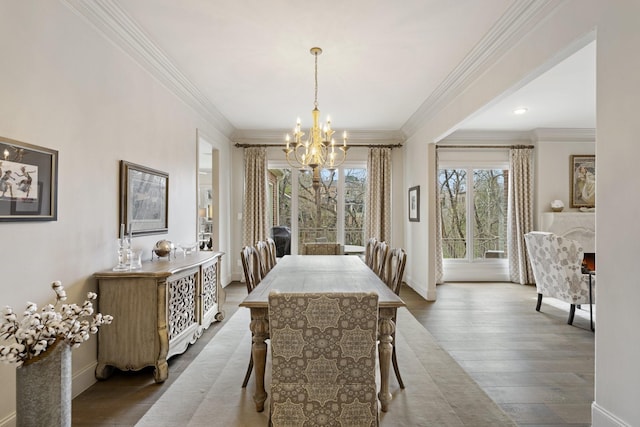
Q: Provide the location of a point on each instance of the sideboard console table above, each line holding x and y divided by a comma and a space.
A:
157, 311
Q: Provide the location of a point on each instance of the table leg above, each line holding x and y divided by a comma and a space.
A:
386, 328
260, 331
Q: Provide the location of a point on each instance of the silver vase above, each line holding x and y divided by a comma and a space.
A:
43, 389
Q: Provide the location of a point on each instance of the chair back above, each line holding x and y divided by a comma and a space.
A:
379, 257
394, 269
323, 358
251, 266
271, 244
265, 257
322, 248
368, 251
557, 267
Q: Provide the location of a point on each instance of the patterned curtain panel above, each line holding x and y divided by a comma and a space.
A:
438, 254
520, 214
378, 213
254, 226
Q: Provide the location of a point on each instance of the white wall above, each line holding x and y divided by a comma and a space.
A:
617, 226
552, 172
66, 88
618, 231
569, 28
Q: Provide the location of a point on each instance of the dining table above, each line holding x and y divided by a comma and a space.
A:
321, 273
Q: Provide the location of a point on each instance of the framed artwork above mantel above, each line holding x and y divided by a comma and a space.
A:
583, 180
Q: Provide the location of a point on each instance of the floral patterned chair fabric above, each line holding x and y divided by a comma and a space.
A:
322, 248
557, 269
323, 351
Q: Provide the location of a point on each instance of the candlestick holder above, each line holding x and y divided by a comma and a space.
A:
124, 255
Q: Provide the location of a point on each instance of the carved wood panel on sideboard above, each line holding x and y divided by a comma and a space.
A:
158, 311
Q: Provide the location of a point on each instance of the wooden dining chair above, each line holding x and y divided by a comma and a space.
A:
251, 265
323, 359
368, 251
271, 244
265, 257
379, 257
393, 273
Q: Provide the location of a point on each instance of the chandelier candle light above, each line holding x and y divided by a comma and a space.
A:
318, 151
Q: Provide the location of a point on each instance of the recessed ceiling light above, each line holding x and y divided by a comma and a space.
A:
520, 110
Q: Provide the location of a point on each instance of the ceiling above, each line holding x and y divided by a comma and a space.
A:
381, 63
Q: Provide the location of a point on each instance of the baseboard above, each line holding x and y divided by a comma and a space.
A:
83, 379
600, 417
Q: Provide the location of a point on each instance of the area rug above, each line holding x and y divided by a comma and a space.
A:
437, 390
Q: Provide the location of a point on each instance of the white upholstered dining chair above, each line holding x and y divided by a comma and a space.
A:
323, 358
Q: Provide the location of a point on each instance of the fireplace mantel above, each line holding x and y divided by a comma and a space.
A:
580, 226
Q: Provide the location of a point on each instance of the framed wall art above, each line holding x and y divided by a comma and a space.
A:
583, 181
28, 182
414, 204
144, 197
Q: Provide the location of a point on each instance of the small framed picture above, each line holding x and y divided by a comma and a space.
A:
28, 182
144, 195
414, 204
583, 181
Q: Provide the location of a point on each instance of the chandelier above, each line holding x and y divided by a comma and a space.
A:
319, 150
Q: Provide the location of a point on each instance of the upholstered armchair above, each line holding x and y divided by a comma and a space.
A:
323, 352
557, 269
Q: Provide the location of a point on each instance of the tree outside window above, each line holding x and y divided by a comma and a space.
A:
473, 209
339, 217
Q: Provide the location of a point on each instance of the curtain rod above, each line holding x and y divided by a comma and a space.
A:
485, 146
350, 145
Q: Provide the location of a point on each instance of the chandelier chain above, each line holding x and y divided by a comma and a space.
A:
315, 102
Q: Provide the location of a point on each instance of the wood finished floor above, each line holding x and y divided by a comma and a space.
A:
537, 368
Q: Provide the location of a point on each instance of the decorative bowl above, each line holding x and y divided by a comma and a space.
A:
188, 248
557, 206
163, 248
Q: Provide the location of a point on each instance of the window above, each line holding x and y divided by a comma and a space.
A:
473, 209
337, 215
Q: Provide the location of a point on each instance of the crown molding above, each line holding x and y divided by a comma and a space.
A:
564, 135
506, 32
487, 137
119, 28
249, 136
536, 135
